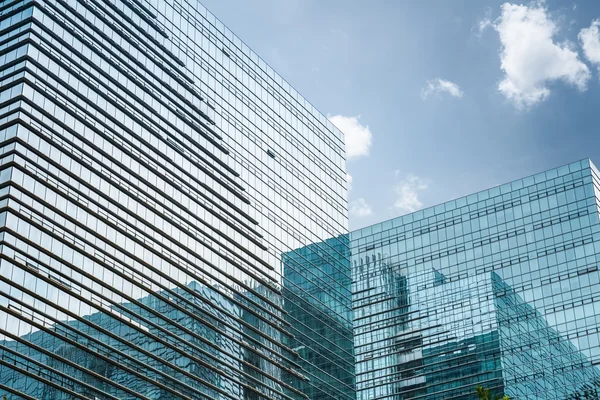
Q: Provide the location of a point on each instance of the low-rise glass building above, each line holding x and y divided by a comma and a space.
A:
498, 289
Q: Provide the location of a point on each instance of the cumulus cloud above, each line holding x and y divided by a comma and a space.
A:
358, 137
407, 193
531, 59
349, 181
439, 86
590, 42
360, 208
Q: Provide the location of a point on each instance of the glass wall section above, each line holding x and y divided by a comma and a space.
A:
156, 175
498, 289
319, 310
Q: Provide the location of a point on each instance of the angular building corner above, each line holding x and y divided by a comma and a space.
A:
157, 176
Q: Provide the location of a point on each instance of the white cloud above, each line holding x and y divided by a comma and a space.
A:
439, 86
590, 42
531, 59
407, 193
484, 23
358, 137
360, 208
348, 182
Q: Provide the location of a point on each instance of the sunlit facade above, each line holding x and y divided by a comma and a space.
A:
498, 289
156, 178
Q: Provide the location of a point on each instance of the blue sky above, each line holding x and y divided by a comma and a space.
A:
438, 98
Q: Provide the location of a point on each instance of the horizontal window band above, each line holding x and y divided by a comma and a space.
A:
14, 391
372, 303
144, 8
362, 291
495, 208
381, 352
149, 20
9, 4
399, 335
397, 340
375, 314
389, 322
392, 353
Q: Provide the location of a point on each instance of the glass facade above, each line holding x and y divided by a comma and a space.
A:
160, 191
498, 289
320, 313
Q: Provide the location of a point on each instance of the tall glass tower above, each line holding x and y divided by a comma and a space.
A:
499, 289
157, 177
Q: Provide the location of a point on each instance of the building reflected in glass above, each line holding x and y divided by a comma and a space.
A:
498, 289
156, 177
318, 304
60, 351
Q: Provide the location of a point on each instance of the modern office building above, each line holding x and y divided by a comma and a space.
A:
499, 289
156, 178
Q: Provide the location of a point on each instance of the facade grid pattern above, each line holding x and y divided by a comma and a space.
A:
498, 289
156, 178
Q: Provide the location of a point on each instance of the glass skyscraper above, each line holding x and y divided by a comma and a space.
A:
498, 289
157, 178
